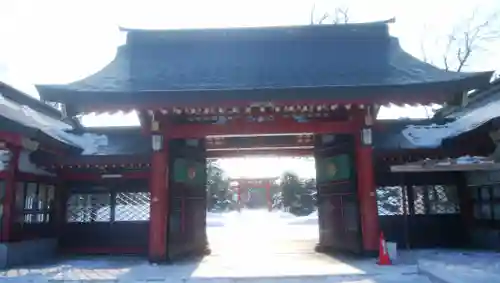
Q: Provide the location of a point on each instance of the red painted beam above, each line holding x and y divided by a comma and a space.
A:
261, 152
257, 146
10, 138
242, 128
259, 141
29, 177
80, 176
425, 98
10, 196
82, 162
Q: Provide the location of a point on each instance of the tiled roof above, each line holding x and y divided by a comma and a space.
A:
181, 66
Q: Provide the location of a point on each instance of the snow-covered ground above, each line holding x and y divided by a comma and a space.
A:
261, 246
460, 266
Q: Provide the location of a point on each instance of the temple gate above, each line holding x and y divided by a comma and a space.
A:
261, 187
190, 86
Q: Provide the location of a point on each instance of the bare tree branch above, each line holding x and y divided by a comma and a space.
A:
312, 19
323, 18
341, 16
466, 38
311, 15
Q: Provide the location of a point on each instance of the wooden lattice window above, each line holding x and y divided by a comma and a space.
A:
105, 205
391, 200
132, 206
35, 201
428, 199
486, 201
89, 207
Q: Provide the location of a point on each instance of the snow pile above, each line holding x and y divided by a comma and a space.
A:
215, 222
213, 215
285, 215
89, 142
463, 160
219, 219
4, 159
309, 219
466, 159
426, 136
433, 135
463, 267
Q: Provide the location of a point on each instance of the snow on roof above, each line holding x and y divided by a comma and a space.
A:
29, 117
89, 142
463, 163
432, 135
57, 129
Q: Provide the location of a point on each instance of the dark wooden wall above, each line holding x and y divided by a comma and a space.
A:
115, 220
416, 218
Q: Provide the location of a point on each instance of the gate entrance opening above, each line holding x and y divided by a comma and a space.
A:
285, 222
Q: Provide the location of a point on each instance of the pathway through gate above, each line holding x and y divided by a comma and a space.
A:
254, 233
256, 243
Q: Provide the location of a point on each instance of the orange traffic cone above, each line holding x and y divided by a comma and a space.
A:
383, 255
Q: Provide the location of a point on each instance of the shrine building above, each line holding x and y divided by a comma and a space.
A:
212, 93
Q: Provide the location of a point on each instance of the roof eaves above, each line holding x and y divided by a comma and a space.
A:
26, 99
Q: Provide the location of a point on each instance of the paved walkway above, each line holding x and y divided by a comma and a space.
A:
254, 246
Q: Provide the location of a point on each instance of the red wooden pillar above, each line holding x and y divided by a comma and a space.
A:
367, 195
9, 205
158, 188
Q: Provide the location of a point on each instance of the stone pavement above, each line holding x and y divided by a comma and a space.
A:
209, 270
251, 247
459, 266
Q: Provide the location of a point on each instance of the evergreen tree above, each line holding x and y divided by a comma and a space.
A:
217, 186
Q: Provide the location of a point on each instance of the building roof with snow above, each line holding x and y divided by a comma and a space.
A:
21, 98
106, 145
479, 115
474, 100
358, 62
27, 117
390, 135
117, 141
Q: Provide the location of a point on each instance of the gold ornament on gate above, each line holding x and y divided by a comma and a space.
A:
331, 169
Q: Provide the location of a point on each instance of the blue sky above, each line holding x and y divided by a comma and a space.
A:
54, 41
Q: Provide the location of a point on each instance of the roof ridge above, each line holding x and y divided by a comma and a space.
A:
276, 27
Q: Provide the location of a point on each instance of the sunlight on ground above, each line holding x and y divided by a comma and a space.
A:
256, 243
